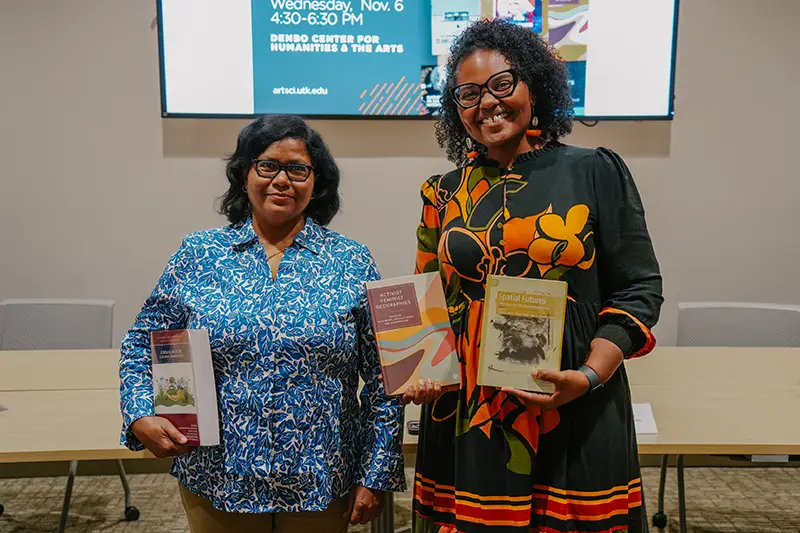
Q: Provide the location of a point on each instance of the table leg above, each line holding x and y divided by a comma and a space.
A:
659, 518
73, 469
681, 495
131, 512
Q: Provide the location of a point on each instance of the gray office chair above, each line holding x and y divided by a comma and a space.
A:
734, 324
61, 325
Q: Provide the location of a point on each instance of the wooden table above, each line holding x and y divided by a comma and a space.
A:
59, 370
719, 400
65, 405
78, 425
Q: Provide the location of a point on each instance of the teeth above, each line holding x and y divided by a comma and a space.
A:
495, 118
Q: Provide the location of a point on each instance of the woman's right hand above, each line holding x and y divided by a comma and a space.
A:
160, 437
426, 391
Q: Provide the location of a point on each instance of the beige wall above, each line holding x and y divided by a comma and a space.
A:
96, 190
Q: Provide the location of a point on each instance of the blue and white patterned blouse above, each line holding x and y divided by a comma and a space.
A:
287, 357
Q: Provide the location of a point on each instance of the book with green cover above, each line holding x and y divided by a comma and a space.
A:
523, 329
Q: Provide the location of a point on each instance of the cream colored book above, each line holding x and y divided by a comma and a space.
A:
523, 329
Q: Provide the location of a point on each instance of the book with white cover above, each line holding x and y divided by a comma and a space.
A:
184, 389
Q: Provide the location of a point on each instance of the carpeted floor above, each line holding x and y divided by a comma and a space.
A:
751, 500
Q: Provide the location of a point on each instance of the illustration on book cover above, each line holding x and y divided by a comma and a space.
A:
174, 391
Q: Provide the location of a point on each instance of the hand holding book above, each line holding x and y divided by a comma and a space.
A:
569, 385
160, 437
604, 358
425, 391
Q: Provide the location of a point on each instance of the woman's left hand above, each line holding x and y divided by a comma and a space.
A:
365, 504
570, 384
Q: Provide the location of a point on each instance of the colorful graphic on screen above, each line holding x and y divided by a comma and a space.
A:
385, 58
526, 13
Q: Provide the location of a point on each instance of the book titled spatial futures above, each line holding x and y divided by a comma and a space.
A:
523, 330
412, 327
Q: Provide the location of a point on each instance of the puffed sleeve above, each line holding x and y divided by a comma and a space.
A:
429, 229
381, 417
163, 310
630, 280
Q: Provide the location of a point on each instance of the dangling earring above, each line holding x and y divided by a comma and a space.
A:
472, 154
534, 130
244, 187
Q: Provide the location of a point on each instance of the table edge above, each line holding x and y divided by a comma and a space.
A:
72, 455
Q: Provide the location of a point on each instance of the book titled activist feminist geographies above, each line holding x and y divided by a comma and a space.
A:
412, 328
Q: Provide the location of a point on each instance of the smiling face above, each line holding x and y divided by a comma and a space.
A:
494, 122
280, 201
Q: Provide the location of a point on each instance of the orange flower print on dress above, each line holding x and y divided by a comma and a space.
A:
518, 232
558, 245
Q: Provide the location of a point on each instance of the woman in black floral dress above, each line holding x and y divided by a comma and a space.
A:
522, 203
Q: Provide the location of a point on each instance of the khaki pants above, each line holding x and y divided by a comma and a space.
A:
204, 518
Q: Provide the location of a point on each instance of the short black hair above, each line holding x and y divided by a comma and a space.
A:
535, 61
253, 140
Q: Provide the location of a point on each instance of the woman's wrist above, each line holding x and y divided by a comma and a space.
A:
591, 376
604, 358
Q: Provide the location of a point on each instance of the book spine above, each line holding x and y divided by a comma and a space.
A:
563, 318
488, 297
388, 386
205, 389
190, 422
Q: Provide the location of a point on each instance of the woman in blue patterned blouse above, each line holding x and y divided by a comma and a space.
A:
283, 301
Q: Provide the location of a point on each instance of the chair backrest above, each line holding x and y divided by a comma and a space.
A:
738, 324
34, 324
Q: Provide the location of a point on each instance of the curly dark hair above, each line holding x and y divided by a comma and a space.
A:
253, 140
535, 61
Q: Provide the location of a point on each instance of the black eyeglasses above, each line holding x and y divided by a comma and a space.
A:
500, 85
269, 169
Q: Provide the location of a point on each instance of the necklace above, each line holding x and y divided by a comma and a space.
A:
276, 253
273, 255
